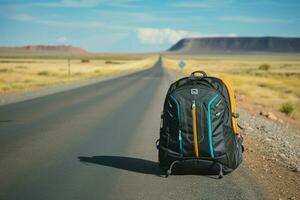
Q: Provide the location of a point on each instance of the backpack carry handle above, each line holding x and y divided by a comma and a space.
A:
198, 72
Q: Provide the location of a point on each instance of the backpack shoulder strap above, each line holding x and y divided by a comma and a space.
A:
232, 107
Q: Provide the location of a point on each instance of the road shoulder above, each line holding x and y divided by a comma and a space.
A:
272, 154
28, 95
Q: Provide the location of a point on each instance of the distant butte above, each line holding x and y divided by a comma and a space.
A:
235, 44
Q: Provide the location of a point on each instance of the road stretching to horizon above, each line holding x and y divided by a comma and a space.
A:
97, 142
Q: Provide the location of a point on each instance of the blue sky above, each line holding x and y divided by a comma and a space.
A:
141, 26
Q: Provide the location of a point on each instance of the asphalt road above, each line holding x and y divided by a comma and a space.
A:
112, 127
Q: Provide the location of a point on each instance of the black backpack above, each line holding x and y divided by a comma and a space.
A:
199, 127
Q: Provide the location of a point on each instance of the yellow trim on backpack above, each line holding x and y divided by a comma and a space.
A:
194, 115
232, 106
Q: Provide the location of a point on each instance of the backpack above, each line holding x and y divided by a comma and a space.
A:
199, 126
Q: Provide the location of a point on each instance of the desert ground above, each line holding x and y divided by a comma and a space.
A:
18, 74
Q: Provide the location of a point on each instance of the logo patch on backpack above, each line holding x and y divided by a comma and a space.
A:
194, 91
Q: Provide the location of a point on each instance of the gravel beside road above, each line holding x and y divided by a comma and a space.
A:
272, 154
282, 140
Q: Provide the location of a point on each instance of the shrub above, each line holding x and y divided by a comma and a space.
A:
5, 88
43, 73
21, 67
78, 74
264, 67
4, 70
111, 62
263, 85
27, 81
287, 108
85, 60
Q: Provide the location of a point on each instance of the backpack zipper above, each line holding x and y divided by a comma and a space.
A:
179, 126
194, 116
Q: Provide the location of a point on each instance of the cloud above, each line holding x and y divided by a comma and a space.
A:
124, 3
59, 23
22, 17
131, 16
68, 4
205, 4
159, 36
71, 24
251, 19
154, 36
85, 3
191, 4
61, 39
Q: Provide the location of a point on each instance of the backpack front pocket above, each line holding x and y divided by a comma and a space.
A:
215, 115
178, 127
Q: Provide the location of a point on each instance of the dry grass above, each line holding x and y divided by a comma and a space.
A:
26, 74
270, 88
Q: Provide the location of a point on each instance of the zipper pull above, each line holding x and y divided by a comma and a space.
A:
180, 137
194, 104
